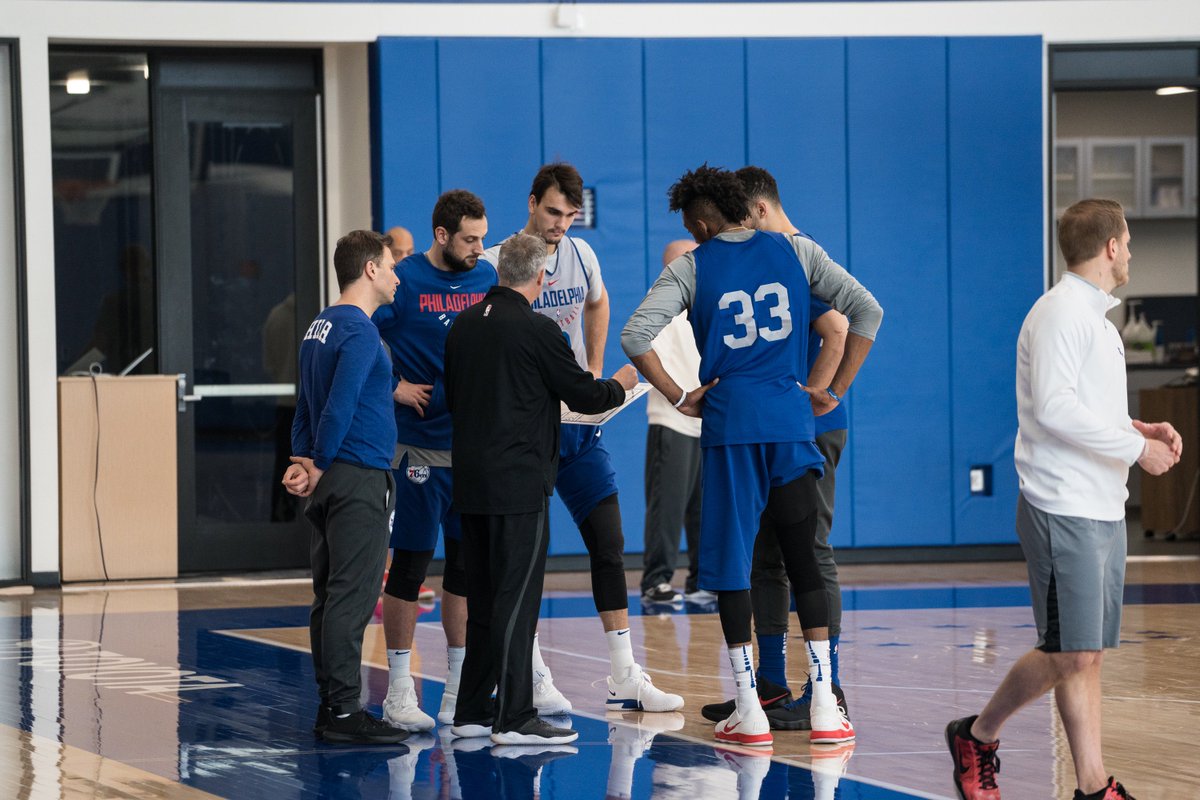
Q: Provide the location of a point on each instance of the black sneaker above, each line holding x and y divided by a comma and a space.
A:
793, 716
770, 695
322, 720
662, 593
361, 728
536, 730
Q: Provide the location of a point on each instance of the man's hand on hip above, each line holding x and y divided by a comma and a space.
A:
413, 395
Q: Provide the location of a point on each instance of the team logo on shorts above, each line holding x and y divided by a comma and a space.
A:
418, 474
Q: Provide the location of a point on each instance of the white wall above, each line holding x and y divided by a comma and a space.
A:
10, 432
37, 22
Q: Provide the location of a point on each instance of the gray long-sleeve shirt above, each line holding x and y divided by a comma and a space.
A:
675, 290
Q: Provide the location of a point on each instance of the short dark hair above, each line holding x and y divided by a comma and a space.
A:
1086, 227
759, 184
352, 253
562, 176
706, 191
452, 206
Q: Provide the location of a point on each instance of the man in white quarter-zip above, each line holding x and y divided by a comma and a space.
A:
1075, 444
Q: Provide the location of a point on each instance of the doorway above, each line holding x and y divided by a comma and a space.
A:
226, 174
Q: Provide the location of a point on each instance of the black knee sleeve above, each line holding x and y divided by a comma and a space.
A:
606, 547
454, 576
734, 610
793, 509
407, 573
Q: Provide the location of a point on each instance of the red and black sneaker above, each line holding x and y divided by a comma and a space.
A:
1113, 791
975, 763
770, 695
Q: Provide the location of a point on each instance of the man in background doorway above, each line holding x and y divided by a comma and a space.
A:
402, 243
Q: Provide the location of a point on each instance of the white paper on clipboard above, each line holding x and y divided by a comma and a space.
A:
575, 418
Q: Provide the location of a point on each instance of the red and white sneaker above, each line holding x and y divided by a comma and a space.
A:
426, 594
829, 725
752, 731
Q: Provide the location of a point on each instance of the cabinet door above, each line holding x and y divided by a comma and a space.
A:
1114, 171
1168, 189
1068, 174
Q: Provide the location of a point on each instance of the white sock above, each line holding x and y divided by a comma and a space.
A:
818, 673
540, 670
398, 664
620, 653
740, 659
454, 662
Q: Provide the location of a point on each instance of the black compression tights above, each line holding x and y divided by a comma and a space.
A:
606, 546
792, 509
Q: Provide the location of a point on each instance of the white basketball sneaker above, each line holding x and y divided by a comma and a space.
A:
636, 692
753, 730
829, 724
446, 711
547, 699
400, 707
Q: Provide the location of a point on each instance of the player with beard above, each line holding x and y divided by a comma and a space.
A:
434, 287
574, 296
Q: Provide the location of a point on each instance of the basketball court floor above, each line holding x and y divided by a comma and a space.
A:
204, 689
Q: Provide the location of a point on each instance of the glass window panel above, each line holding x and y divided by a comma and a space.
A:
10, 427
103, 234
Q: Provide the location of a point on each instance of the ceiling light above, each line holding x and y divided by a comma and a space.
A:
1170, 90
77, 82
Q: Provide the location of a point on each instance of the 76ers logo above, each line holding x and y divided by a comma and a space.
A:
417, 474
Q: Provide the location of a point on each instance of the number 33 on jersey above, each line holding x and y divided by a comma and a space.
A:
750, 297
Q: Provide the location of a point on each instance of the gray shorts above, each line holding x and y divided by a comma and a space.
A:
1076, 576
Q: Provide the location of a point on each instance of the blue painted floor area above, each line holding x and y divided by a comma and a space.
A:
255, 740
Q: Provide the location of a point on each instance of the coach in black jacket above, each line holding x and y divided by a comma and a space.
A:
507, 368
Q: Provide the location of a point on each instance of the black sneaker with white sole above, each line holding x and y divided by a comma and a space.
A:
770, 695
361, 728
662, 593
322, 720
793, 716
535, 730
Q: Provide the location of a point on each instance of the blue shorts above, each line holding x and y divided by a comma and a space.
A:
736, 481
423, 496
585, 472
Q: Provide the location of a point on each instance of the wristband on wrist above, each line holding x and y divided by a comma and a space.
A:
682, 399
833, 394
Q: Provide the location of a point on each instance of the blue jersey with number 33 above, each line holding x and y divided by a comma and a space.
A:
750, 319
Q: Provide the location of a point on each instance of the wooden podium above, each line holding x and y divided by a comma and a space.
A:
118, 493
1165, 497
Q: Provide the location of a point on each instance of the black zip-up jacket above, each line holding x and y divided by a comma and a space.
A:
507, 368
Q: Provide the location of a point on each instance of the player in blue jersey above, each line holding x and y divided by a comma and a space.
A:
747, 294
770, 593
342, 439
575, 297
434, 287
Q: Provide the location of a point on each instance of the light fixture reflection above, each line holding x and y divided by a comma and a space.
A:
1166, 91
78, 82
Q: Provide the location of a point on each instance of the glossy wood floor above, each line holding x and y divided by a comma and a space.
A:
204, 689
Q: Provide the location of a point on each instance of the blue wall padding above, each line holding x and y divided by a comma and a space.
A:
900, 418
995, 155
404, 129
916, 162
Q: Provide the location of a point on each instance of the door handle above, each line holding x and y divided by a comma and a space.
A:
182, 395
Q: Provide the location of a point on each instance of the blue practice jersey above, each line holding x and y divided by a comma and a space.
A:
415, 327
839, 418
344, 403
750, 319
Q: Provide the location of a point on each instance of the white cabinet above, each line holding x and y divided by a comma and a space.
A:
1148, 176
1114, 171
1169, 189
1068, 174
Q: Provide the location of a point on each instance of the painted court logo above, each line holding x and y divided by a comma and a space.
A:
417, 474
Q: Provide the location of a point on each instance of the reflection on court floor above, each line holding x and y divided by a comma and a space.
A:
183, 692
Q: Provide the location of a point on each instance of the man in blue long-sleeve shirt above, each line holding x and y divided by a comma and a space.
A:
342, 441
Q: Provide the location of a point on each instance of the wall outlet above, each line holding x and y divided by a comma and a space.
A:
981, 480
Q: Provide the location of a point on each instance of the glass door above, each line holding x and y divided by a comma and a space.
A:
240, 254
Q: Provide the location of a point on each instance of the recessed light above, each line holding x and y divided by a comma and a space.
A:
1166, 91
77, 82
